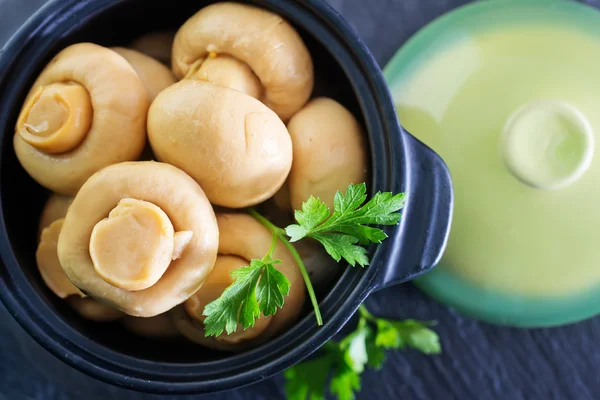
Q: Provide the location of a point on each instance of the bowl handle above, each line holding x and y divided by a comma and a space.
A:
423, 232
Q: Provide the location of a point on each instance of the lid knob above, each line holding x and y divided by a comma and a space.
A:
548, 144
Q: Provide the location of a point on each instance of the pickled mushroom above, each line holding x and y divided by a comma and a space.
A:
241, 238
86, 110
94, 310
237, 149
263, 40
155, 44
55, 208
329, 152
51, 271
49, 265
146, 203
226, 71
154, 76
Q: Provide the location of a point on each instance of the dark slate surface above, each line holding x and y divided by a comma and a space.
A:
479, 361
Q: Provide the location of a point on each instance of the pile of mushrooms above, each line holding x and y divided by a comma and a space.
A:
148, 232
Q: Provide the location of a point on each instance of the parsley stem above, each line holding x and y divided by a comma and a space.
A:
304, 272
273, 228
272, 248
279, 233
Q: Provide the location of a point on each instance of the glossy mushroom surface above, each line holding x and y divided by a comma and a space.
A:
139, 195
329, 152
237, 149
263, 40
241, 239
154, 76
86, 110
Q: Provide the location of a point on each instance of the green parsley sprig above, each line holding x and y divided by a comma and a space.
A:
345, 231
341, 363
260, 288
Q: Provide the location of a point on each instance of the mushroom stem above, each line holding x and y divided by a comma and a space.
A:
56, 118
226, 71
133, 247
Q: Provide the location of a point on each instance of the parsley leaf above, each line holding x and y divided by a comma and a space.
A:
344, 383
340, 245
258, 288
375, 354
354, 347
408, 333
308, 379
348, 358
272, 286
345, 231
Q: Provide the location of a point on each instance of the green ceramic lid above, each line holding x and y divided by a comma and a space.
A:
508, 93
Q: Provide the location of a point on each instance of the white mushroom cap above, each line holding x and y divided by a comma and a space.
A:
236, 148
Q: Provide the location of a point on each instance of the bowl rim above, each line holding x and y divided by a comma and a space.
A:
29, 47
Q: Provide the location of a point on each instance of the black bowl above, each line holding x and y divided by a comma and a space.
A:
345, 70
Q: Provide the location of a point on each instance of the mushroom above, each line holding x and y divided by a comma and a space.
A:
224, 70
49, 265
56, 208
155, 44
159, 326
281, 198
154, 76
86, 110
264, 41
236, 148
94, 310
329, 152
241, 239
52, 272
140, 237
